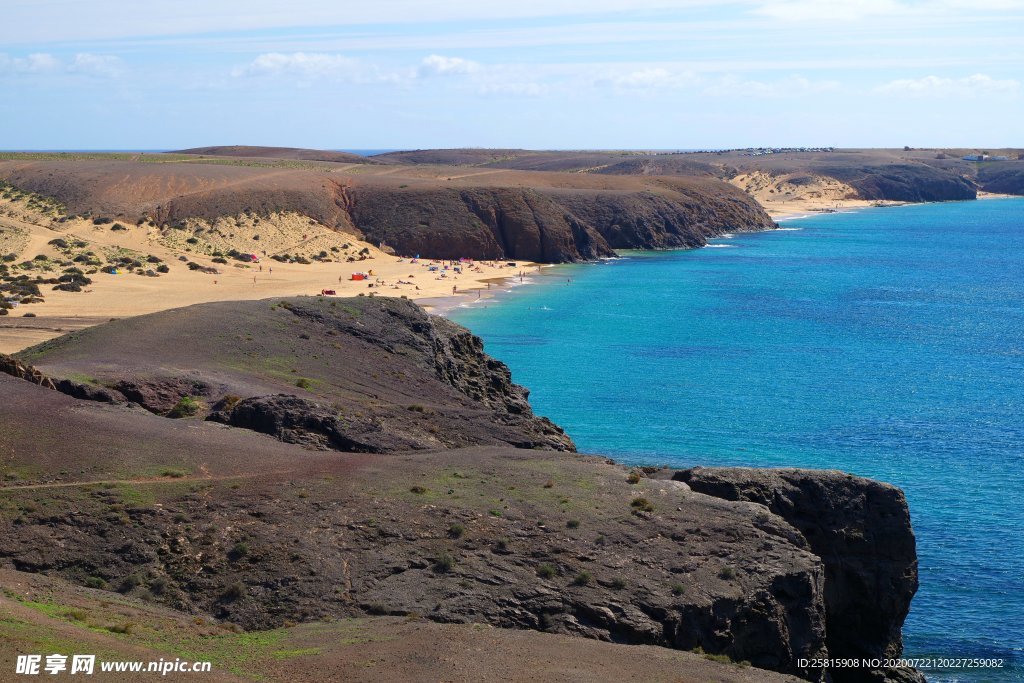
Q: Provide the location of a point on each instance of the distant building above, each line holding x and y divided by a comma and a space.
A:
975, 157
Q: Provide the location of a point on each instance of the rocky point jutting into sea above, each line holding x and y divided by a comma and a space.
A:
284, 461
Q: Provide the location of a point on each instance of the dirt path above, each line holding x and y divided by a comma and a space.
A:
148, 480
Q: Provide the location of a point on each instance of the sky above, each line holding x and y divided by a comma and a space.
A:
539, 74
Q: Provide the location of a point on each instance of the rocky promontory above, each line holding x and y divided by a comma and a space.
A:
546, 217
297, 461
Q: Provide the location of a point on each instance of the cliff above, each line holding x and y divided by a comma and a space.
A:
543, 217
304, 460
1002, 177
553, 225
861, 531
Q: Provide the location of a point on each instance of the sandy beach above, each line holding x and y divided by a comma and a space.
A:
372, 272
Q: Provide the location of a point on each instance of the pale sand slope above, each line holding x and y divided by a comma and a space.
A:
130, 294
795, 194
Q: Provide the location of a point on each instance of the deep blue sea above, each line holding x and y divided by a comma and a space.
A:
885, 342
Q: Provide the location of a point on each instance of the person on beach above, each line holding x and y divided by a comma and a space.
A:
454, 289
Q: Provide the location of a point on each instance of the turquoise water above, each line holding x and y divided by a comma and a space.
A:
887, 342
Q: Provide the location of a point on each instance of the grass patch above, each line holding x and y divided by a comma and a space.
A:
186, 407
642, 505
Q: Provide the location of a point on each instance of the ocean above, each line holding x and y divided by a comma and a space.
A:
886, 342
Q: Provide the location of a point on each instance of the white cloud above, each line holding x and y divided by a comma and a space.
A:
517, 89
42, 63
970, 86
96, 65
37, 63
436, 65
732, 86
306, 67
651, 78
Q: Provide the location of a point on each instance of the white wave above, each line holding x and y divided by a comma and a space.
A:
721, 246
787, 229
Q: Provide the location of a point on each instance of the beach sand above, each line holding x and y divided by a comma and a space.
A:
792, 195
129, 294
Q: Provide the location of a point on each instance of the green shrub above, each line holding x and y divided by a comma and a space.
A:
185, 407
418, 490
582, 579
642, 504
546, 571
456, 530
303, 383
618, 584
444, 563
727, 573
573, 524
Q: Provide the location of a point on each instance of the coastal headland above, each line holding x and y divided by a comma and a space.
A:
94, 236
307, 466
227, 427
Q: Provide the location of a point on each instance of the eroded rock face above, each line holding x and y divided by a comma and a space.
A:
553, 226
380, 375
860, 529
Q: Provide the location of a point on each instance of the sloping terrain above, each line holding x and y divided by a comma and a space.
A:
47, 614
438, 212
874, 174
275, 520
1002, 177
257, 152
371, 375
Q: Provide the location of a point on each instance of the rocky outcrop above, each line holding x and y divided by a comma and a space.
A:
485, 223
683, 220
15, 368
903, 182
543, 217
771, 567
378, 375
1002, 177
553, 226
861, 531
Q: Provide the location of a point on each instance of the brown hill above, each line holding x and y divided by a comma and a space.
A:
366, 374
875, 174
213, 519
435, 212
256, 152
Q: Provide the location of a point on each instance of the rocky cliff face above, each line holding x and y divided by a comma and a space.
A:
903, 182
543, 217
552, 226
485, 223
1002, 177
861, 531
449, 522
375, 375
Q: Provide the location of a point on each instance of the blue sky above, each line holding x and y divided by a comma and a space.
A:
653, 74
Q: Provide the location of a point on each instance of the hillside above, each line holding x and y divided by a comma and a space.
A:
871, 174
260, 515
41, 612
256, 152
432, 211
